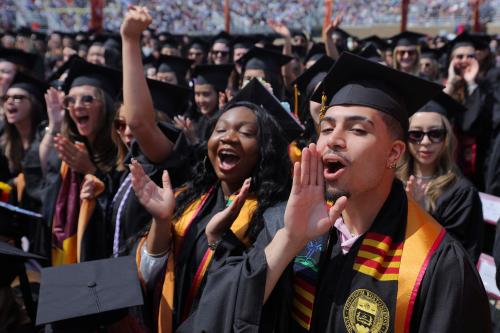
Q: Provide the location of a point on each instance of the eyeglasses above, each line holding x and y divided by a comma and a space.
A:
462, 56
84, 99
15, 98
435, 135
120, 125
222, 53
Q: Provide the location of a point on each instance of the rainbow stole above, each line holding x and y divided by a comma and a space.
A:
180, 228
383, 260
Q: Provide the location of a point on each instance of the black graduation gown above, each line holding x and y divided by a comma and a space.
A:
132, 215
460, 211
451, 297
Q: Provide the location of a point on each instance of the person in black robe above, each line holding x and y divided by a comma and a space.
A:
310, 271
433, 179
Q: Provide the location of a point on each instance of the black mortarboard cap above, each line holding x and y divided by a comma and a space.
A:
63, 68
170, 41
344, 34
477, 40
307, 81
222, 37
178, 65
38, 35
443, 104
370, 52
406, 38
32, 85
354, 80
244, 42
168, 98
84, 73
254, 92
199, 44
266, 60
16, 222
19, 57
216, 75
315, 52
431, 53
86, 296
11, 261
379, 43
24, 32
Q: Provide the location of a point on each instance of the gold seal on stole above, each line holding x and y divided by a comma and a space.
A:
364, 312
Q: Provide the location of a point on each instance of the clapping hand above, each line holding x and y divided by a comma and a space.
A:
74, 154
223, 220
158, 201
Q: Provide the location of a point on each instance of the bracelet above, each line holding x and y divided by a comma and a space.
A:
213, 246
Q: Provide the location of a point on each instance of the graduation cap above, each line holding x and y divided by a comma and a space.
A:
89, 295
63, 68
11, 261
38, 35
178, 65
84, 73
476, 40
254, 92
15, 222
32, 85
109, 40
170, 41
354, 80
342, 33
428, 53
307, 81
379, 43
264, 59
19, 57
315, 52
216, 75
370, 52
168, 98
443, 104
222, 37
244, 42
24, 32
406, 38
199, 44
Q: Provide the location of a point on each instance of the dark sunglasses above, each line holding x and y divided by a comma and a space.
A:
435, 135
120, 125
84, 99
15, 98
222, 53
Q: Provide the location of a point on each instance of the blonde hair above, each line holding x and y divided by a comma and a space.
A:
446, 172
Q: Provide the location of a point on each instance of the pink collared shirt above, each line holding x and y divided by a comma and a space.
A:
346, 238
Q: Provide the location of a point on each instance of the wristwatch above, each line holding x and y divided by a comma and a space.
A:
213, 246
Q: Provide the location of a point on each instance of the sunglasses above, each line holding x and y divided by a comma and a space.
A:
84, 99
435, 135
222, 53
120, 125
15, 98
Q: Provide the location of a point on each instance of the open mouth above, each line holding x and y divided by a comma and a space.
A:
82, 120
228, 159
333, 167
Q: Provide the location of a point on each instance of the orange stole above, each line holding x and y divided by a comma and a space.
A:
422, 238
86, 209
179, 229
294, 152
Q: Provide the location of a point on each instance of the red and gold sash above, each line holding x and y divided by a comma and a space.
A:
180, 230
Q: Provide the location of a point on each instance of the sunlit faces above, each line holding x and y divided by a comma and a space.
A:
95, 55
220, 54
7, 73
206, 98
17, 105
462, 56
168, 77
86, 112
406, 57
355, 146
233, 147
426, 138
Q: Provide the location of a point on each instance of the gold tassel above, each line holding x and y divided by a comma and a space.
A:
323, 106
296, 99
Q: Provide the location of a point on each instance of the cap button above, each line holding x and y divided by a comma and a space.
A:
91, 284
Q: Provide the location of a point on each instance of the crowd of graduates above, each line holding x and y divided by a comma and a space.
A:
174, 152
